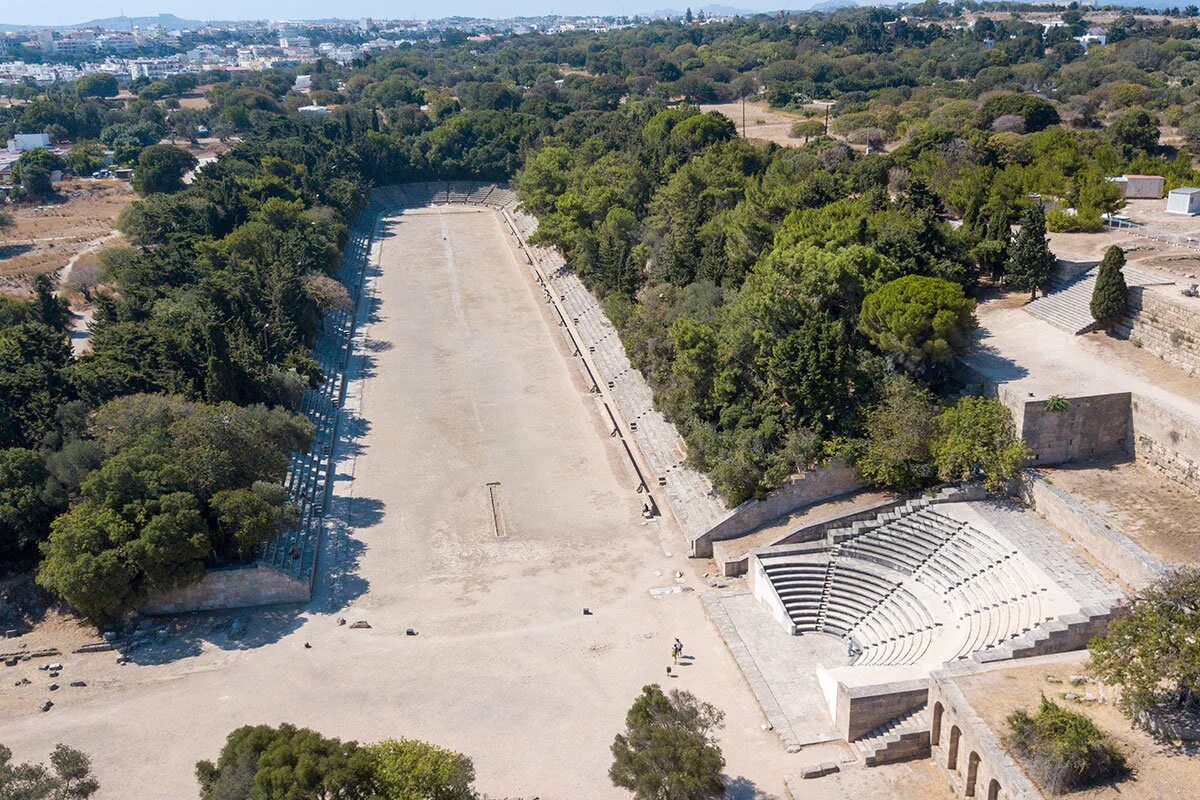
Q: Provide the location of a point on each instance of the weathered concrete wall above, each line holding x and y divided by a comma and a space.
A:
969, 752
1167, 326
1095, 426
813, 486
239, 587
1166, 442
862, 709
1109, 546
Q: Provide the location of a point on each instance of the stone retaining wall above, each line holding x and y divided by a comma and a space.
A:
239, 587
1166, 442
1090, 427
1109, 546
814, 486
1164, 326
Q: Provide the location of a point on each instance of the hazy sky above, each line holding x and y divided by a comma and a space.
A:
65, 12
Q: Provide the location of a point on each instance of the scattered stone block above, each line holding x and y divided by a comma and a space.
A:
53, 687
56, 667
820, 770
362, 623
95, 647
22, 682
1053, 679
79, 683
47, 705
410, 632
12, 633
11, 662
1078, 680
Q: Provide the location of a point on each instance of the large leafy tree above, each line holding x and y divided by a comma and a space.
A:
33, 362
975, 438
33, 168
669, 750
183, 486
408, 769
919, 321
25, 508
161, 168
1153, 653
286, 763
1030, 262
68, 778
1110, 292
895, 450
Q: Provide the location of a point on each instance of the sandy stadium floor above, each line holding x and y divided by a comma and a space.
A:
465, 384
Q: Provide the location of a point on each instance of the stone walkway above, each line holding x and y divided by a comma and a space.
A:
780, 668
692, 499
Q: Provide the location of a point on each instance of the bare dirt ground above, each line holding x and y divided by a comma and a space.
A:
763, 124
45, 238
1033, 355
1159, 515
466, 382
1180, 263
1161, 771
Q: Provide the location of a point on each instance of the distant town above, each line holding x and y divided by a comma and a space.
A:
44, 56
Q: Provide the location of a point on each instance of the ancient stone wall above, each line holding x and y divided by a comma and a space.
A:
969, 752
1166, 326
239, 587
1110, 547
1089, 427
1166, 442
862, 709
814, 486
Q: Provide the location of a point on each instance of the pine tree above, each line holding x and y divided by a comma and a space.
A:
1030, 262
1108, 298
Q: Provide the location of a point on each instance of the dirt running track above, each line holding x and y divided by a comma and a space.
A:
464, 383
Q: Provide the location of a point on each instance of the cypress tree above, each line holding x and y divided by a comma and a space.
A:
1030, 262
1109, 295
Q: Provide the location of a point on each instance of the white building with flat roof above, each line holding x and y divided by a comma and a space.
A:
28, 141
1184, 200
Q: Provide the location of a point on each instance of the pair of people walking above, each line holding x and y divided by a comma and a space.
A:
677, 651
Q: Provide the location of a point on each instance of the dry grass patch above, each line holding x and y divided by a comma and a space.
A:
44, 238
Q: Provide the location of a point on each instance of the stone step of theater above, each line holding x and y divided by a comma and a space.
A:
903, 738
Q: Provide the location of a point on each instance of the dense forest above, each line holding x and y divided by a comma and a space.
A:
788, 304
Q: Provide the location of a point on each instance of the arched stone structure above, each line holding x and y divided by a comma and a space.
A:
972, 773
935, 732
952, 757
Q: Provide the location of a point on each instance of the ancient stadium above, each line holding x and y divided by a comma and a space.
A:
491, 490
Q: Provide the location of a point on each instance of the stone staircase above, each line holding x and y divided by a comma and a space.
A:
1067, 304
905, 737
1059, 635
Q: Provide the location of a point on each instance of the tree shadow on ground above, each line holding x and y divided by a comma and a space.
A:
162, 640
742, 788
986, 359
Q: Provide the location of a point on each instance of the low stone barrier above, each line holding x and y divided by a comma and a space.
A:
237, 587
805, 489
1108, 545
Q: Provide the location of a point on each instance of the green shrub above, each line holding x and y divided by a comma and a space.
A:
1085, 221
1063, 749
